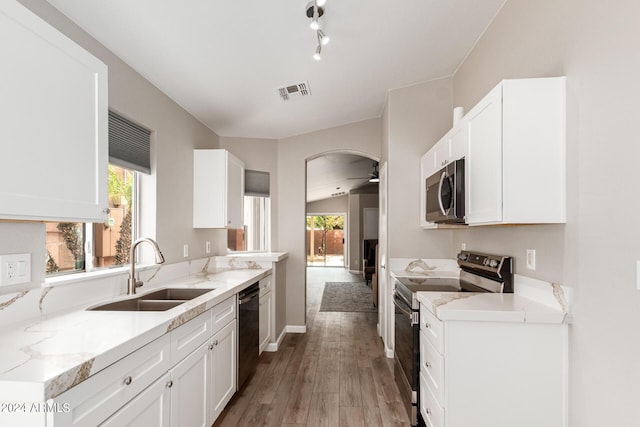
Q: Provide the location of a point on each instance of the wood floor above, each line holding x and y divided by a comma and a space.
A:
334, 375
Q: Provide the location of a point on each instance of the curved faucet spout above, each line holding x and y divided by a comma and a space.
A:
132, 283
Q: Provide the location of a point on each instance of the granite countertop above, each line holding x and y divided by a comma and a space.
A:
491, 307
45, 357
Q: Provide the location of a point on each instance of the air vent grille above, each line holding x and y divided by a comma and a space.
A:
295, 90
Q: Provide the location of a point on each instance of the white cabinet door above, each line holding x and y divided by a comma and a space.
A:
54, 132
458, 141
235, 192
149, 408
442, 151
266, 303
218, 189
191, 389
483, 178
223, 369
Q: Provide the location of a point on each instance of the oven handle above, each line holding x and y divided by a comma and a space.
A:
399, 302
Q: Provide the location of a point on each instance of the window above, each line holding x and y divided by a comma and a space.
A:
76, 247
256, 234
67, 243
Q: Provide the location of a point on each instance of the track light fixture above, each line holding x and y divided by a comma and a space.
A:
314, 11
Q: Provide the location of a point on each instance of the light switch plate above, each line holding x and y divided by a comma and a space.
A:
15, 269
207, 247
185, 251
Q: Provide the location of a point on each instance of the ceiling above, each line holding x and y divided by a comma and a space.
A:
224, 60
336, 174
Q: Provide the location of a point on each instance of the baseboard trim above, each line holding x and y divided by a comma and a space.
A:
389, 353
296, 329
291, 329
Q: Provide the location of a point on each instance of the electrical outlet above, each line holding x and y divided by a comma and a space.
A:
185, 250
207, 247
531, 259
463, 246
15, 269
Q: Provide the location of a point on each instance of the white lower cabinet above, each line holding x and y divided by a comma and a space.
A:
149, 408
183, 379
267, 312
223, 367
498, 374
191, 389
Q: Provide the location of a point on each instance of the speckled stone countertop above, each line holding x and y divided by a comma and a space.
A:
43, 358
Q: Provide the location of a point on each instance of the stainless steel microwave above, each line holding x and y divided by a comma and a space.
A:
445, 194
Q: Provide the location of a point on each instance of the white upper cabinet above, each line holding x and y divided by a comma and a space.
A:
516, 168
218, 189
54, 136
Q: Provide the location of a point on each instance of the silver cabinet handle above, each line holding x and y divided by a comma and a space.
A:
128, 380
215, 342
427, 364
170, 384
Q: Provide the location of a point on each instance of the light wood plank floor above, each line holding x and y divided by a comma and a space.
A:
334, 375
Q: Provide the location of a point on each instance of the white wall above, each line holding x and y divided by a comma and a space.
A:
362, 137
595, 44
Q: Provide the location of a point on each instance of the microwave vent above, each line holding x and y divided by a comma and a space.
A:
294, 90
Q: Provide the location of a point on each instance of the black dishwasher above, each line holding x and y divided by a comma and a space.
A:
248, 332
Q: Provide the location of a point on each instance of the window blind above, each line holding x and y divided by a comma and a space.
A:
129, 144
256, 183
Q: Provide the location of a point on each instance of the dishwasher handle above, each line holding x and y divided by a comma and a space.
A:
248, 297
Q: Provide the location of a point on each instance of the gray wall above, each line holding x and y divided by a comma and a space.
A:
595, 44
416, 117
168, 193
333, 205
260, 155
362, 138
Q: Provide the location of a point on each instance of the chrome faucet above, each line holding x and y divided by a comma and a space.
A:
132, 283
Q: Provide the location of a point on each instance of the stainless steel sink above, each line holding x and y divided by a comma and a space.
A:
175, 294
138, 304
160, 300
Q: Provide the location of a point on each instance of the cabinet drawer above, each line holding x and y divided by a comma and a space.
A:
222, 314
432, 367
432, 328
102, 394
432, 412
265, 285
190, 336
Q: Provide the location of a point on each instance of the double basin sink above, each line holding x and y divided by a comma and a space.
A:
160, 300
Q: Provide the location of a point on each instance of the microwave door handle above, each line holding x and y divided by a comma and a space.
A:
442, 178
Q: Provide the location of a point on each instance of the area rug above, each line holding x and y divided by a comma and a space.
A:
347, 296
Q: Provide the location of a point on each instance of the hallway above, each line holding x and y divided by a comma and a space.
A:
334, 375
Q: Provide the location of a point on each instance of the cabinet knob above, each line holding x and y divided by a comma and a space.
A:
170, 384
427, 364
210, 346
215, 342
128, 380
428, 411
427, 325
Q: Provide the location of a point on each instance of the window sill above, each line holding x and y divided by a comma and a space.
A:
62, 280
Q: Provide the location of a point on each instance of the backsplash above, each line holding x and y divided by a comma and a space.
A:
85, 290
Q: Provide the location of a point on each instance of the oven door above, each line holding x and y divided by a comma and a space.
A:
445, 194
406, 355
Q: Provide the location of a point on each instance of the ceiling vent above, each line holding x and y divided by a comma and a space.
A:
296, 90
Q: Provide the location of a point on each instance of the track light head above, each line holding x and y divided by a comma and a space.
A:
323, 38
317, 55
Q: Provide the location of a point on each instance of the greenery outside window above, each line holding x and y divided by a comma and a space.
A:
78, 247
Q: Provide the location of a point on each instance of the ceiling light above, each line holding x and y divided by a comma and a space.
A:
316, 55
320, 2
323, 38
314, 24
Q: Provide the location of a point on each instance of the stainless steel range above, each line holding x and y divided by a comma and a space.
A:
479, 273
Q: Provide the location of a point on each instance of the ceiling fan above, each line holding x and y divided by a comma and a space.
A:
373, 176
